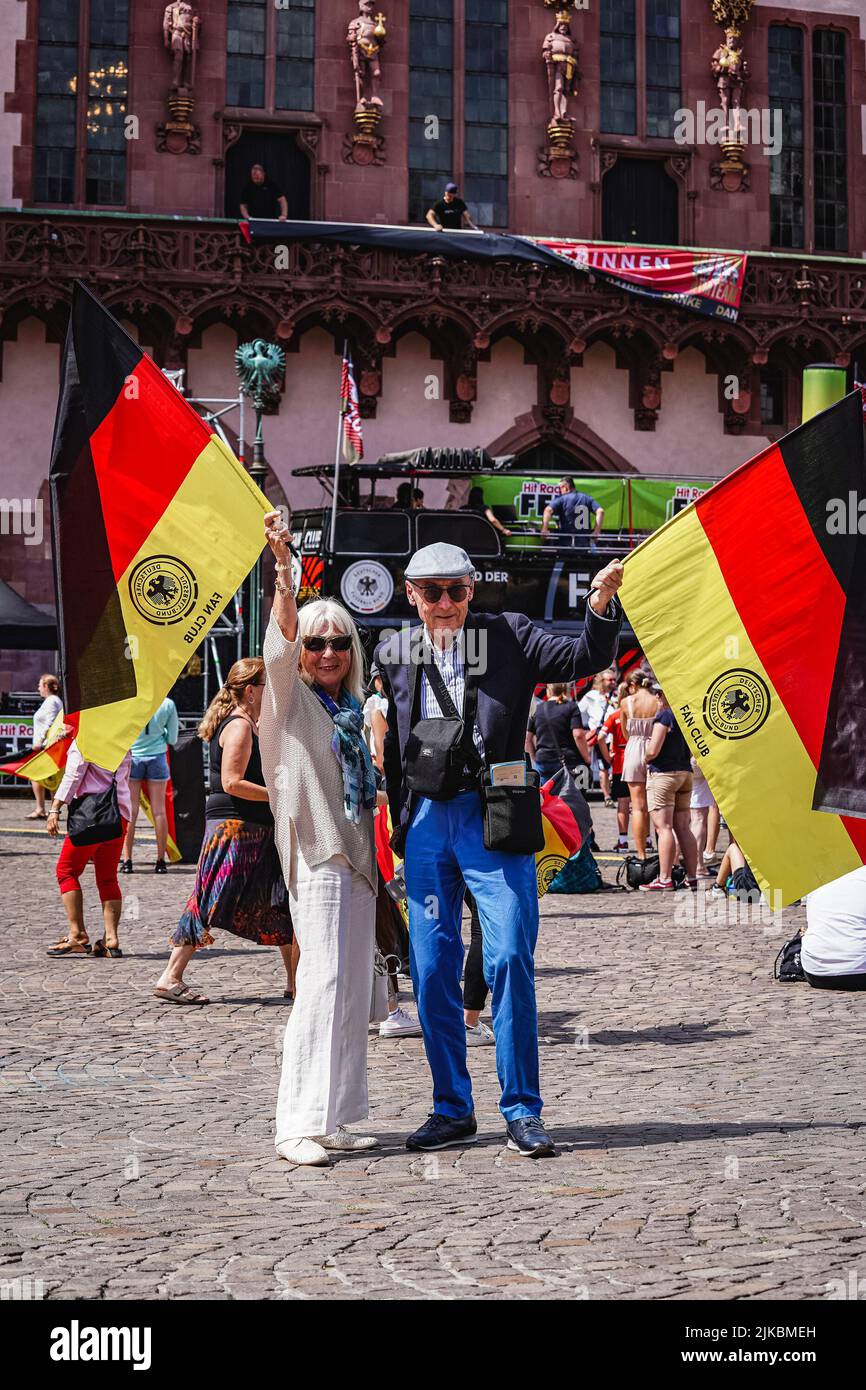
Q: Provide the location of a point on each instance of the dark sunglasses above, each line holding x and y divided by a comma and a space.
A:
433, 592
340, 643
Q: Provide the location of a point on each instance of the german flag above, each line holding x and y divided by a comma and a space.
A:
751, 607
155, 525
46, 764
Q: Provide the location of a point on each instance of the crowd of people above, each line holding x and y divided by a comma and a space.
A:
307, 747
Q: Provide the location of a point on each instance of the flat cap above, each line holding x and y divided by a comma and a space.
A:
439, 561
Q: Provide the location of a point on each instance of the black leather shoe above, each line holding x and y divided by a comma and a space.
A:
160, 867
125, 866
529, 1138
441, 1132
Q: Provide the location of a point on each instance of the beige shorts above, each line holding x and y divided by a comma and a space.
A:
664, 789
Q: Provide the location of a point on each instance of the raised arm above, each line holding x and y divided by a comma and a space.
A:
285, 610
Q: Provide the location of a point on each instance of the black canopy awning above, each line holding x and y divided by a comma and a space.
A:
23, 627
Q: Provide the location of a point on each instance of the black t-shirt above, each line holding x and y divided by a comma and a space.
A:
552, 723
675, 755
450, 215
262, 199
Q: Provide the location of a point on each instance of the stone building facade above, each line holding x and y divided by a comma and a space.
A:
123, 153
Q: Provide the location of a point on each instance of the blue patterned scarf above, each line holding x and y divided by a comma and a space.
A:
353, 755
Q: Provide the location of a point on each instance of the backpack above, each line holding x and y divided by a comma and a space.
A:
787, 968
579, 874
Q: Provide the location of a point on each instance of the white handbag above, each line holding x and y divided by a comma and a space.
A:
379, 999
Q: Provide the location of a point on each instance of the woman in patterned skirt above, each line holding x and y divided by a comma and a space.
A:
239, 883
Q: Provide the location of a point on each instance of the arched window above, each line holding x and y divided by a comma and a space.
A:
270, 54
81, 102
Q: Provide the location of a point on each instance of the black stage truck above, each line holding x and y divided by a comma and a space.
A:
547, 578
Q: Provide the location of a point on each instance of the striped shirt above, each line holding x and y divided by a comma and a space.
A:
453, 672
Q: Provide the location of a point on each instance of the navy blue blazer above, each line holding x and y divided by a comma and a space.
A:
507, 656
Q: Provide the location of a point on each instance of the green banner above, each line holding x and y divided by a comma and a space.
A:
633, 503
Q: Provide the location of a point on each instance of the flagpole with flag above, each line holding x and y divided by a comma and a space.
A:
350, 438
155, 525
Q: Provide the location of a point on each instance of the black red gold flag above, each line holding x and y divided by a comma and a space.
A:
751, 607
155, 525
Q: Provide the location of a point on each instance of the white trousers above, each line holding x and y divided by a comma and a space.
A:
324, 1078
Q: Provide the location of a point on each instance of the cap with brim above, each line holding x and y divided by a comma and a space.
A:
440, 561
451, 188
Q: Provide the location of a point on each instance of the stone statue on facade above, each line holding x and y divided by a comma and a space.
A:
180, 30
731, 71
366, 39
559, 52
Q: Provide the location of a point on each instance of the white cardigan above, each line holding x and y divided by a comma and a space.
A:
302, 773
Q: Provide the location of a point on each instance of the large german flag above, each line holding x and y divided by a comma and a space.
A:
155, 525
751, 607
46, 764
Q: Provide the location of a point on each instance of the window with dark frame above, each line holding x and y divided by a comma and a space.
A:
785, 70
81, 103
662, 66
772, 396
829, 116
485, 161
270, 54
431, 102
618, 67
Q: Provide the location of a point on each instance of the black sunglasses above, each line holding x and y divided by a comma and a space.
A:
340, 643
433, 592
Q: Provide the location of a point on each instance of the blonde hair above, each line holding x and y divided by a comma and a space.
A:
52, 682
327, 612
229, 696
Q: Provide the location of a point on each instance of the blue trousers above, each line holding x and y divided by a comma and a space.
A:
444, 852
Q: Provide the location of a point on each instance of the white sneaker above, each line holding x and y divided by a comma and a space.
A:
306, 1153
709, 858
344, 1142
479, 1035
399, 1024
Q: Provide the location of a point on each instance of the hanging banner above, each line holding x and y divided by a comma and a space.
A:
709, 282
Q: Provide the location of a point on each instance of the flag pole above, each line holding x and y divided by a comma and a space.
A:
337, 455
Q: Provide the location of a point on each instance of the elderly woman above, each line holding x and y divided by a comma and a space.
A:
322, 788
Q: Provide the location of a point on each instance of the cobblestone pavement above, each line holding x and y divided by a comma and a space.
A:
709, 1121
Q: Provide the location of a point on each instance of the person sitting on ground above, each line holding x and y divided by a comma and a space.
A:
262, 198
49, 689
450, 213
833, 948
477, 505
669, 794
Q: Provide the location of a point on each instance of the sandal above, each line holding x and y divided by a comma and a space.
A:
37, 815
65, 947
100, 949
179, 994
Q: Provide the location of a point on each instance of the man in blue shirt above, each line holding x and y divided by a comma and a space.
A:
572, 511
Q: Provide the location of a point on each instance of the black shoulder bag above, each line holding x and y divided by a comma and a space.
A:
94, 818
511, 815
440, 754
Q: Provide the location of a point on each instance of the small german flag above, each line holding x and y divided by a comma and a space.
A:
155, 525
45, 765
751, 608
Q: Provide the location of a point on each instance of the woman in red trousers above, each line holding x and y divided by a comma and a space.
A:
79, 778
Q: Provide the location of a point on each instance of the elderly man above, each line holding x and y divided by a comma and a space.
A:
459, 690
